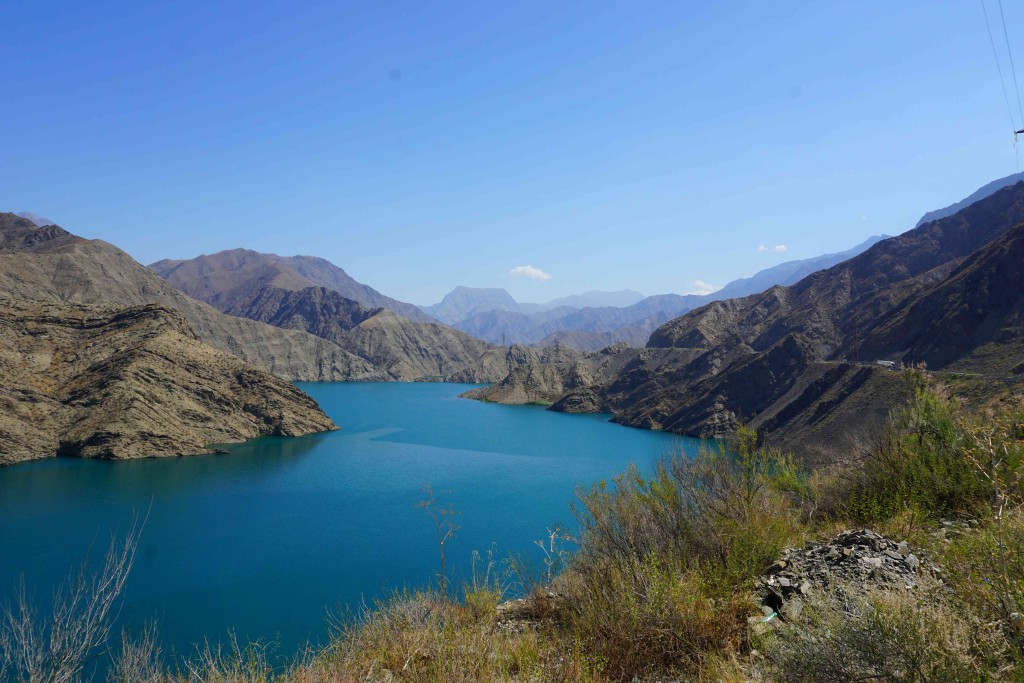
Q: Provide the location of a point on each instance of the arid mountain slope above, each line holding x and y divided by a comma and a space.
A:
51, 264
784, 360
403, 349
209, 277
137, 382
260, 287
971, 320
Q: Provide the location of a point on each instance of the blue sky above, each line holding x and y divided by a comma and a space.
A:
423, 145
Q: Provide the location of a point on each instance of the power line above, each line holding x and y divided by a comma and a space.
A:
999, 69
1009, 52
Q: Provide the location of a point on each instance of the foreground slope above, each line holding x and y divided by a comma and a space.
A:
51, 264
102, 382
791, 360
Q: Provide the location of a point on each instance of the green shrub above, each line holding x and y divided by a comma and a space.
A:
985, 568
662, 575
924, 463
726, 513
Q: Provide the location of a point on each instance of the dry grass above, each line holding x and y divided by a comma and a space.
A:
887, 637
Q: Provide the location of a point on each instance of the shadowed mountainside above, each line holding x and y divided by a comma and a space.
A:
780, 359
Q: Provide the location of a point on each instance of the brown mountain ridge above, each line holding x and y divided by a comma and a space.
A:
51, 264
271, 289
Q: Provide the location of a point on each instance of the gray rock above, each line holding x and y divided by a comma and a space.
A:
799, 572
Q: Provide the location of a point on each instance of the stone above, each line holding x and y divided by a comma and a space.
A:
820, 566
1016, 622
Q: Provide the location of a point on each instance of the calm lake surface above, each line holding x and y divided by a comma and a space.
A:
264, 540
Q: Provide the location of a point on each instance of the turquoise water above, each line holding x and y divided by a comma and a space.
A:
265, 539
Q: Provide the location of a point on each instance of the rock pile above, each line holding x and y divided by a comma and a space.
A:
515, 615
853, 558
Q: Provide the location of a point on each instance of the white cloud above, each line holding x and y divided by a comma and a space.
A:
530, 272
777, 249
701, 287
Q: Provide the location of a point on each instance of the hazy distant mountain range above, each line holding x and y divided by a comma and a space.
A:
36, 219
495, 316
462, 303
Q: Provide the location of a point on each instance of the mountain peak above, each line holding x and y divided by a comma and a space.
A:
247, 268
35, 218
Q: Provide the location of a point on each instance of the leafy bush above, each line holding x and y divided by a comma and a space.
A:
926, 462
985, 567
726, 513
664, 565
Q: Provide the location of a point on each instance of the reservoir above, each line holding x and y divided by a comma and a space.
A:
263, 541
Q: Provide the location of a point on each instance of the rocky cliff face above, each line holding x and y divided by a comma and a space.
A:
51, 264
134, 382
785, 360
